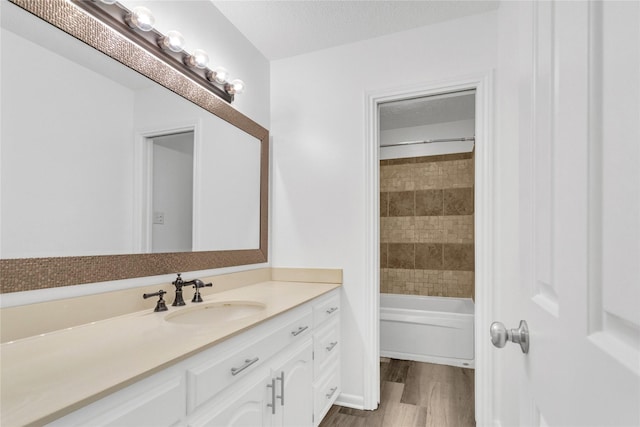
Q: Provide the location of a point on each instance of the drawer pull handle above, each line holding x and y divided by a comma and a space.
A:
272, 405
330, 346
247, 363
331, 310
281, 379
300, 330
333, 390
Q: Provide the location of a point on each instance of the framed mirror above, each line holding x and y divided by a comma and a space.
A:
85, 208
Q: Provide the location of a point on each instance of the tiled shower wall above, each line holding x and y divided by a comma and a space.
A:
426, 226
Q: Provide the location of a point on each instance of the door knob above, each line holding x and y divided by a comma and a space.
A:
500, 335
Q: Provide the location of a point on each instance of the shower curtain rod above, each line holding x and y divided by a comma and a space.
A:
429, 141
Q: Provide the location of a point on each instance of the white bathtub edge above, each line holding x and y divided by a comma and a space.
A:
429, 359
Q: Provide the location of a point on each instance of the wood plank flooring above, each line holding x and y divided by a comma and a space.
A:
415, 394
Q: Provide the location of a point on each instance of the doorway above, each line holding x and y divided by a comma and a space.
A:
172, 192
166, 181
483, 254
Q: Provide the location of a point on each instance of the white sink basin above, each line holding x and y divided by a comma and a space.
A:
215, 312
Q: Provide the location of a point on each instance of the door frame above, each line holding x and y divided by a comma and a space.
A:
143, 179
482, 83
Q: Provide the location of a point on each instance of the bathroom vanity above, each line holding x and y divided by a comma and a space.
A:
271, 358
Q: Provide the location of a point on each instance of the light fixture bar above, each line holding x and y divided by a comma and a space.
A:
115, 15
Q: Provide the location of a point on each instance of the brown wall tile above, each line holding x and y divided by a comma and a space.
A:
402, 203
429, 203
383, 255
384, 204
426, 208
429, 256
458, 257
401, 255
458, 201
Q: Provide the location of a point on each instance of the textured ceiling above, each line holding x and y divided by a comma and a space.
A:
281, 29
427, 110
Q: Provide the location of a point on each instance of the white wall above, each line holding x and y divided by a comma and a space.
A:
454, 129
64, 190
318, 128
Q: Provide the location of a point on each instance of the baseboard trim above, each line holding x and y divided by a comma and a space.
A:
350, 401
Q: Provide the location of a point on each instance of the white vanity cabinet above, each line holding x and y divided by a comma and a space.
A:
277, 373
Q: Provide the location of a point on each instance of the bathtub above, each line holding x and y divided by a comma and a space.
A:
427, 329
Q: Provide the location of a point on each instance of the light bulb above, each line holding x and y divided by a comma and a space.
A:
198, 58
235, 87
173, 40
220, 75
141, 18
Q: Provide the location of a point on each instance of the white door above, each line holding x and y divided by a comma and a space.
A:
579, 217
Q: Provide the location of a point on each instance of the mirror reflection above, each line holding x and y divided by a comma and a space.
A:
99, 160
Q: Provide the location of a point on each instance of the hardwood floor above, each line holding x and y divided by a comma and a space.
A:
415, 394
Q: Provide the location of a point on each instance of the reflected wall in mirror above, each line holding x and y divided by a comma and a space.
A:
79, 179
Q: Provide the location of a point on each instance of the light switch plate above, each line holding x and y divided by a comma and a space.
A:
158, 217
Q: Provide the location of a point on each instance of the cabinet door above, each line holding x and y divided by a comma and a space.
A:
294, 394
248, 410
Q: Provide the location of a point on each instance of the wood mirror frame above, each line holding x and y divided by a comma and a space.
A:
39, 273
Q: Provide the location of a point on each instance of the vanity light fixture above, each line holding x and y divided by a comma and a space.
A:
141, 18
173, 40
169, 47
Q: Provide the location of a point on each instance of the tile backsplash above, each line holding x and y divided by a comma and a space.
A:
426, 225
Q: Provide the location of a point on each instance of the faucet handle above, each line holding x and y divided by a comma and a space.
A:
161, 305
197, 284
178, 282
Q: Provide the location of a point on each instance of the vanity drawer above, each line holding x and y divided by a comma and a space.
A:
327, 309
325, 392
326, 344
220, 372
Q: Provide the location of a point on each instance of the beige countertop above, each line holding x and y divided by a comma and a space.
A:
47, 376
